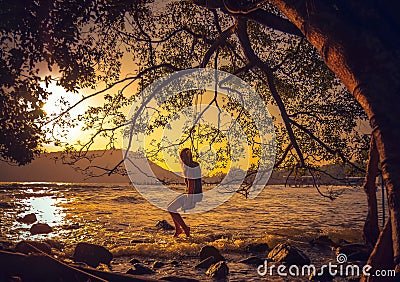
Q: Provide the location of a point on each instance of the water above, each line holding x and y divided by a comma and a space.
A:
118, 218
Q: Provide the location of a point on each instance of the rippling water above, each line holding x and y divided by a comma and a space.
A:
117, 217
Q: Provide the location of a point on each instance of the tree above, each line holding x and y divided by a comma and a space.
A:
262, 42
367, 61
45, 41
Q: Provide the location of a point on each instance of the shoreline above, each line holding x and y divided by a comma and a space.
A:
319, 251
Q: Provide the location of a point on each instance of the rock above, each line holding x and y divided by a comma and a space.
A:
210, 251
55, 244
5, 245
4, 205
323, 240
28, 218
133, 261
92, 254
72, 226
257, 248
158, 264
27, 247
137, 241
103, 267
174, 263
354, 252
285, 253
139, 269
343, 242
40, 228
206, 263
321, 277
218, 270
164, 225
252, 261
79, 264
178, 279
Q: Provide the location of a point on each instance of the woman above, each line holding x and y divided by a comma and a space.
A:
192, 174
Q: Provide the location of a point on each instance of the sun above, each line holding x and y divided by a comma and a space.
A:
54, 104
58, 101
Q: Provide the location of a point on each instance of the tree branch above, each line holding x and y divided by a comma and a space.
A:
252, 12
253, 58
221, 39
326, 147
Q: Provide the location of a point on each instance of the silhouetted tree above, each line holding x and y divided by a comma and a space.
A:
260, 41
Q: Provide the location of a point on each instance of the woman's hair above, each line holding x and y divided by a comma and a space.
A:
186, 156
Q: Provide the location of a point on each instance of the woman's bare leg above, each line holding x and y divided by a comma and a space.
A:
178, 229
178, 219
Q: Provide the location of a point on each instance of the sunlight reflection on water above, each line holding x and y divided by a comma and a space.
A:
46, 208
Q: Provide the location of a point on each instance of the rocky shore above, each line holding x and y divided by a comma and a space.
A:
40, 261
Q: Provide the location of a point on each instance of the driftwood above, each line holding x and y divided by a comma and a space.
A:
42, 267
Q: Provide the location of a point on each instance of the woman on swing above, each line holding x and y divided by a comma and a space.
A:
192, 175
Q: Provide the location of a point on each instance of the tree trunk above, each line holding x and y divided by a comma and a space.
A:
381, 256
358, 40
371, 225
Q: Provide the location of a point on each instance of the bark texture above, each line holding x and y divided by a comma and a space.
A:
381, 256
371, 225
358, 41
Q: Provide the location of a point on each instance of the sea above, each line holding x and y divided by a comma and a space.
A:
117, 217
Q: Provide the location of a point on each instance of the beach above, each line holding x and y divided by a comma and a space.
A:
118, 218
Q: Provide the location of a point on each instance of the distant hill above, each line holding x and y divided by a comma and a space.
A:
49, 168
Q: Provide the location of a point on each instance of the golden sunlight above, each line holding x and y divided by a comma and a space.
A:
58, 101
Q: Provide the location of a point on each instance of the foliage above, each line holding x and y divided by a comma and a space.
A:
87, 42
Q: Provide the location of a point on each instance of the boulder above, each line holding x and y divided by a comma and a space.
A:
354, 252
210, 251
323, 241
157, 264
54, 244
285, 253
133, 261
27, 247
321, 277
343, 242
164, 225
28, 218
252, 261
5, 245
92, 254
218, 270
5, 205
206, 263
40, 228
139, 269
257, 248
